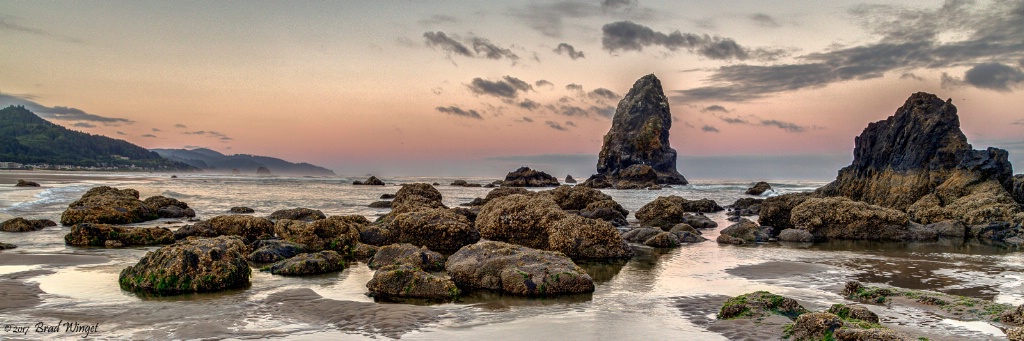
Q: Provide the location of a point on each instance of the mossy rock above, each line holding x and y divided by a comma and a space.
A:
192, 265
108, 205
404, 281
407, 254
308, 264
86, 234
760, 304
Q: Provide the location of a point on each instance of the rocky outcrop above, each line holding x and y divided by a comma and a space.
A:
519, 219
190, 266
170, 207
1017, 188
667, 211
517, 270
582, 238
760, 304
745, 232
300, 213
5, 246
404, 281
248, 227
108, 205
380, 204
87, 234
842, 218
407, 254
308, 264
464, 183
759, 188
438, 229
526, 177
263, 171
274, 250
336, 233
569, 179
24, 225
372, 181
636, 149
776, 211
414, 197
241, 210
23, 183
919, 161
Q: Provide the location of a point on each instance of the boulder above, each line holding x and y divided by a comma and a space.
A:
854, 311
971, 205
1014, 316
699, 221
24, 225
5, 246
380, 204
1017, 188
416, 196
577, 198
999, 233
683, 227
108, 205
190, 266
505, 191
463, 183
582, 238
336, 233
170, 207
667, 211
598, 181
404, 281
639, 137
364, 251
842, 218
641, 234
23, 183
745, 207
1015, 334
519, 219
816, 326
517, 270
759, 188
250, 228
569, 179
663, 240
776, 211
526, 177
300, 213
241, 210
950, 229
387, 196
87, 234
407, 254
372, 181
308, 264
378, 235
437, 229
760, 304
745, 232
274, 250
610, 215
796, 236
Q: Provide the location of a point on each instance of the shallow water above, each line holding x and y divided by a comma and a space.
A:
659, 294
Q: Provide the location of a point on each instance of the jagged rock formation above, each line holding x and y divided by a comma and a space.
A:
526, 177
919, 161
636, 151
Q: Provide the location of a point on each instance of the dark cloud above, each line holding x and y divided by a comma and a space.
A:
209, 133
602, 93
709, 129
1021, 121
10, 26
570, 123
554, 125
84, 125
764, 20
569, 51
527, 119
542, 82
156, 130
714, 108
950, 82
616, 4
787, 126
734, 120
606, 111
440, 40
630, 36
529, 104
507, 87
911, 75
574, 87
909, 40
576, 111
120, 133
149, 135
179, 125
549, 18
60, 112
488, 50
453, 110
994, 76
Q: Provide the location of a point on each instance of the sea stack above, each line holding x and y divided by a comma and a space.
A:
919, 161
636, 151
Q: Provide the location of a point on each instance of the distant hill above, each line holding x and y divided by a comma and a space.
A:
210, 160
28, 139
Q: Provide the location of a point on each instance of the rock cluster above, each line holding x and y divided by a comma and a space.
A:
526, 177
636, 151
656, 237
24, 225
667, 211
372, 181
250, 228
336, 233
86, 234
170, 207
108, 205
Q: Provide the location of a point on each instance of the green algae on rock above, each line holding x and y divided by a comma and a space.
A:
192, 265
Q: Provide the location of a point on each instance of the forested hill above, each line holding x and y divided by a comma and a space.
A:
211, 160
28, 139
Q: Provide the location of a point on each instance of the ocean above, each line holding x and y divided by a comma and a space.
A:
659, 294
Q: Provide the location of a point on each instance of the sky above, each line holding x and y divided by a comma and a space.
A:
758, 89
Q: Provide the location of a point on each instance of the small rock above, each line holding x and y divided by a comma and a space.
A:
372, 181
241, 210
274, 250
301, 213
5, 246
407, 254
380, 204
308, 264
815, 326
796, 235
759, 188
526, 177
25, 225
23, 183
403, 281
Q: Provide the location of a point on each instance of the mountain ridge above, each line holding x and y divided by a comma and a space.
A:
211, 160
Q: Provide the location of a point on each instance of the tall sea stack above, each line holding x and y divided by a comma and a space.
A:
636, 151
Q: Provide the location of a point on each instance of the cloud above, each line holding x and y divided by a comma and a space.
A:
549, 18
10, 26
574, 87
1021, 121
529, 104
569, 51
570, 123
909, 39
576, 111
209, 133
754, 120
60, 112
527, 119
179, 125
490, 51
149, 136
911, 75
602, 93
156, 130
453, 110
84, 125
734, 120
616, 4
709, 129
542, 82
554, 125
714, 108
120, 133
764, 20
630, 36
787, 126
440, 40
606, 111
507, 87
994, 76
482, 47
439, 19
